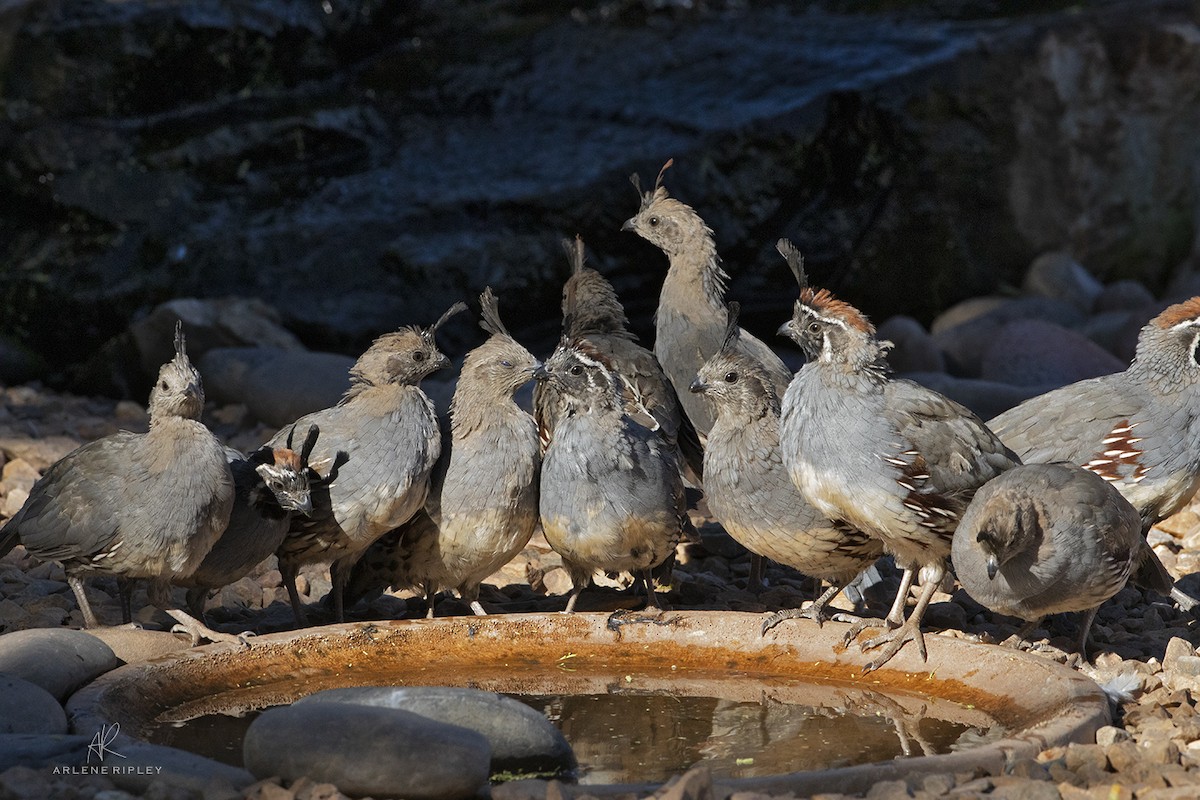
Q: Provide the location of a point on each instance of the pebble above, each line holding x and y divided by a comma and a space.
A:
394, 753
523, 742
28, 708
59, 660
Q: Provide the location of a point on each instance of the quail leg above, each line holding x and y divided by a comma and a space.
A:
1085, 628
757, 580
430, 599
893, 640
196, 597
125, 587
287, 571
85, 608
895, 616
339, 575
160, 596
1022, 636
647, 581
815, 612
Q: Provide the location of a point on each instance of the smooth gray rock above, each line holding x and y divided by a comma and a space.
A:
1122, 295
277, 386
965, 344
41, 750
28, 708
521, 738
172, 766
915, 350
365, 750
59, 660
1060, 276
1033, 352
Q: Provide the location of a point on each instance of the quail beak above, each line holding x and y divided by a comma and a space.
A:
301, 505
993, 566
627, 225
788, 329
442, 362
697, 386
540, 373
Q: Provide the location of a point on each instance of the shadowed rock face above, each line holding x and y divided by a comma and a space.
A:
358, 167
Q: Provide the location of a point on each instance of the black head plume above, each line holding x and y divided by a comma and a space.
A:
795, 261
731, 327
575, 253
450, 312
489, 317
310, 441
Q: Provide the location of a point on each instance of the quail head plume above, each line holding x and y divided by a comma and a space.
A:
611, 492
482, 507
748, 488
136, 506
888, 457
376, 450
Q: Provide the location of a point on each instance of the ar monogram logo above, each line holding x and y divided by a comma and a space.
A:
101, 741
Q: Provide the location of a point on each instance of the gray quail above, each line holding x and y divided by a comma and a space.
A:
592, 311
748, 488
1045, 539
482, 507
271, 484
136, 506
889, 457
611, 493
690, 322
1137, 429
376, 450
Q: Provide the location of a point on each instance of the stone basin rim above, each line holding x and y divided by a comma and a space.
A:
1054, 704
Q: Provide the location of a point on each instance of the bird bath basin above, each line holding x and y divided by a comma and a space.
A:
785, 712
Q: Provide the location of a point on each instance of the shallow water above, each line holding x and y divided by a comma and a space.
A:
633, 735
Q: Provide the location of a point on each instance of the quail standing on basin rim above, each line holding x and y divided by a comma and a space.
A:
482, 507
136, 506
889, 457
271, 484
1046, 539
592, 311
749, 491
1138, 429
611, 492
376, 450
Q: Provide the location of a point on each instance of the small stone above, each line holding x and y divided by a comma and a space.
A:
1026, 790
889, 790
364, 750
695, 784
28, 708
1079, 756
1160, 752
57, 659
177, 768
1109, 735
40, 750
137, 644
1176, 648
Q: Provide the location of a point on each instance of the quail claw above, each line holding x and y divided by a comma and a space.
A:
891, 642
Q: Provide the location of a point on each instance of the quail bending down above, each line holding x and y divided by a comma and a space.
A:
271, 484
376, 450
748, 488
611, 493
889, 457
1047, 538
1138, 429
483, 497
136, 505
592, 311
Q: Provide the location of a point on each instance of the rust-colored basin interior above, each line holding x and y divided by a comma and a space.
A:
1028, 702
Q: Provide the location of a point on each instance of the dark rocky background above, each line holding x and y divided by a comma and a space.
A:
360, 165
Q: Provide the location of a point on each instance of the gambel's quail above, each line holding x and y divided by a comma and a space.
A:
1045, 539
271, 484
376, 450
889, 457
592, 311
136, 505
748, 488
691, 318
1138, 429
611, 492
483, 496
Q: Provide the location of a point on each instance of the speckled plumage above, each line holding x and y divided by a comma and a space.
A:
1045, 539
611, 493
748, 488
482, 506
135, 505
691, 318
376, 450
891, 458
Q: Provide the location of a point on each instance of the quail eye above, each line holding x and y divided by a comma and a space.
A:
575, 369
164, 386
419, 355
731, 377
506, 364
653, 222
814, 327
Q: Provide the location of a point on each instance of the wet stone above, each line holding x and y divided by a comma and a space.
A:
40, 750
522, 740
365, 750
57, 659
28, 708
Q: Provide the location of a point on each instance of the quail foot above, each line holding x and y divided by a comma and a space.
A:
748, 488
1137, 429
888, 457
136, 506
611, 493
271, 484
482, 507
373, 458
1045, 539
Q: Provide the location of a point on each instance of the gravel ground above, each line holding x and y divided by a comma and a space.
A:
1145, 649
